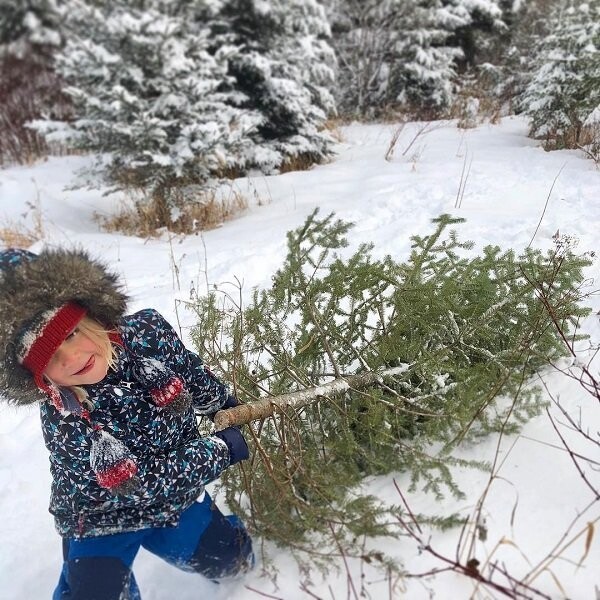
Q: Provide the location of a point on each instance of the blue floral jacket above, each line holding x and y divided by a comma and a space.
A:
174, 462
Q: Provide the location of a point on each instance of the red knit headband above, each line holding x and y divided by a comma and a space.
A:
38, 344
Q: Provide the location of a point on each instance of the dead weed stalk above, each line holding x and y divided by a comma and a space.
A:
16, 234
141, 218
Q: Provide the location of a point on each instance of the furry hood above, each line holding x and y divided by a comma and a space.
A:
30, 285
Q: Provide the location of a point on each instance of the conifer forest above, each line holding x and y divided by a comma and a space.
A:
182, 92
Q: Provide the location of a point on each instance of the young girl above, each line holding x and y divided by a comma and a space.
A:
118, 396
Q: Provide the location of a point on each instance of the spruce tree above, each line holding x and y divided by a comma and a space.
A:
175, 93
391, 54
148, 93
364, 35
474, 25
31, 31
505, 72
464, 334
407, 54
444, 39
565, 85
30, 23
424, 73
281, 69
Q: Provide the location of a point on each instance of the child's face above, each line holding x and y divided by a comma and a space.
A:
78, 361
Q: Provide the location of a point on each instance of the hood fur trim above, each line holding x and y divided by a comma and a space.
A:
48, 281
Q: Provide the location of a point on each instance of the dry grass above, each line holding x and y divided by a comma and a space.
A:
16, 234
393, 141
478, 106
575, 137
301, 162
334, 128
143, 218
481, 98
590, 144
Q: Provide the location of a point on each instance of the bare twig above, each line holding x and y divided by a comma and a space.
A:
573, 457
423, 129
546, 205
513, 588
347, 567
394, 141
305, 589
263, 594
463, 182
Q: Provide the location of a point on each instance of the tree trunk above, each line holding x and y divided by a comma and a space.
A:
266, 407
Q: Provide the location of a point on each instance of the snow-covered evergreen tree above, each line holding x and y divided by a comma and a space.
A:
29, 23
442, 39
175, 92
565, 88
474, 25
390, 53
405, 53
281, 67
147, 92
424, 72
363, 35
31, 31
504, 61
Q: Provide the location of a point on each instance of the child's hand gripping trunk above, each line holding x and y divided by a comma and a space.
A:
238, 449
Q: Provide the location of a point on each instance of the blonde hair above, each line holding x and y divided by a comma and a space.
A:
100, 336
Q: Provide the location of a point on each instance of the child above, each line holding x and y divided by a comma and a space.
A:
117, 396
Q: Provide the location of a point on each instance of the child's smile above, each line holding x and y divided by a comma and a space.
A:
77, 361
89, 365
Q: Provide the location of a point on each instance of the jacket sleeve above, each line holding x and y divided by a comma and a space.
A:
161, 341
178, 473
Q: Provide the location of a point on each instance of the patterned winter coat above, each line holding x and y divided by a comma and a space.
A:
174, 462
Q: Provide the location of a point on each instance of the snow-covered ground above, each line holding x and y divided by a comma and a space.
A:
537, 511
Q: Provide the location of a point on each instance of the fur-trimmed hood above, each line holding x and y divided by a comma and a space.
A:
31, 285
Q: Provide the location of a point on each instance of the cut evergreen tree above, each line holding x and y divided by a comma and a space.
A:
463, 335
564, 90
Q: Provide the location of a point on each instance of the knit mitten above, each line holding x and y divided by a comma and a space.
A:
113, 464
167, 389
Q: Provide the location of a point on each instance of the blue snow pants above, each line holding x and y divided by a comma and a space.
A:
205, 542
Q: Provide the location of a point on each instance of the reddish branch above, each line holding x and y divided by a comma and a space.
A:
515, 589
